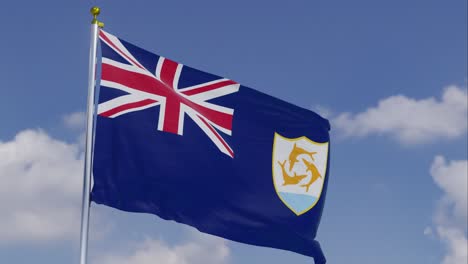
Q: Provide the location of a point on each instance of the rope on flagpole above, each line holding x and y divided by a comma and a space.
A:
95, 25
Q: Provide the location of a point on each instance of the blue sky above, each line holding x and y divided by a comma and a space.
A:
390, 75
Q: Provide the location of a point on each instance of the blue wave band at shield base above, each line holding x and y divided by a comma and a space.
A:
299, 202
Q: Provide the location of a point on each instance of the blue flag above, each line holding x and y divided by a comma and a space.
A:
202, 150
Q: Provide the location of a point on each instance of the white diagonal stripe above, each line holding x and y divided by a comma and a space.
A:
196, 118
122, 48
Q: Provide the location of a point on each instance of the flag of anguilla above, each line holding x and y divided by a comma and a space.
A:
205, 151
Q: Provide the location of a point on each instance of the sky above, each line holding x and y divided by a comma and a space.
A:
391, 76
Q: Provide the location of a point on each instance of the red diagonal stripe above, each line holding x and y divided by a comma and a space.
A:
209, 87
128, 106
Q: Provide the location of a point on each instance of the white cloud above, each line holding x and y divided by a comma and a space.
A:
200, 249
411, 120
76, 120
457, 245
40, 188
451, 213
452, 178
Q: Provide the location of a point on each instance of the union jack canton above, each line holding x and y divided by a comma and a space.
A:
144, 88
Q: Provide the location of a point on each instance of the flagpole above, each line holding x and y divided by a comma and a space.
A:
95, 24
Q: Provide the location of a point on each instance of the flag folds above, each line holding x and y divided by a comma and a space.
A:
202, 150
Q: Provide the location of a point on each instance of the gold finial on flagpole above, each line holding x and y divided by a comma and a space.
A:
95, 11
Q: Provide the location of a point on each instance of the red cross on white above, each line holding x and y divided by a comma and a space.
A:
160, 88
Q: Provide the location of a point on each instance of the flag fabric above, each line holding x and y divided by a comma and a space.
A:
205, 151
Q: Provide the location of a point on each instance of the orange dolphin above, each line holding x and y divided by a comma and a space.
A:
315, 174
295, 152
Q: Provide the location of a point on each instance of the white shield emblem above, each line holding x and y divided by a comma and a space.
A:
299, 169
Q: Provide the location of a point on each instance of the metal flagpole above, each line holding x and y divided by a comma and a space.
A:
95, 24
